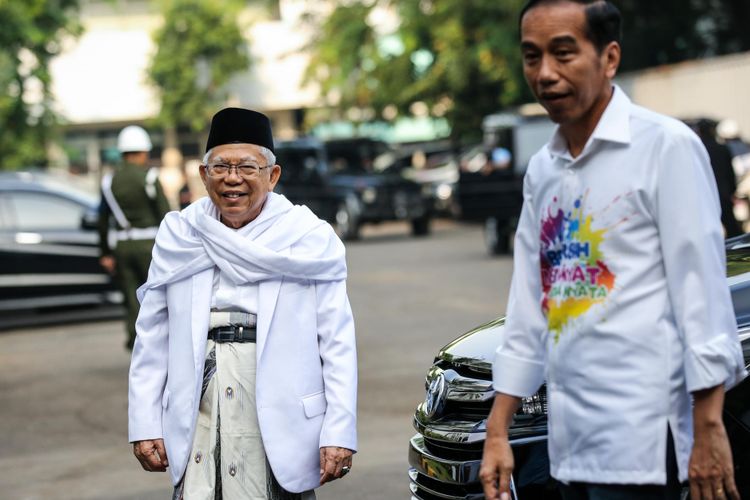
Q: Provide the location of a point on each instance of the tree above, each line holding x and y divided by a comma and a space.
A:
458, 58
461, 57
672, 31
30, 36
343, 54
199, 48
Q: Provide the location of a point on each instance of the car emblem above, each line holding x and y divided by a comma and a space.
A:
435, 398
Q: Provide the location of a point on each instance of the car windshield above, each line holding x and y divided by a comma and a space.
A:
354, 157
347, 163
297, 163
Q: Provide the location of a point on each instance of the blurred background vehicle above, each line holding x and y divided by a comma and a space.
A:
306, 178
432, 165
385, 194
446, 452
346, 191
490, 184
49, 255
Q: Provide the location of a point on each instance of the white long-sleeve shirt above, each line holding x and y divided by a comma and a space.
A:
619, 297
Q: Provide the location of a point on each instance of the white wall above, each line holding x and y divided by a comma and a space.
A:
101, 76
715, 88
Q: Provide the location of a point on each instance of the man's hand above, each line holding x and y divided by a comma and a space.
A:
108, 263
497, 460
332, 461
497, 468
711, 471
151, 454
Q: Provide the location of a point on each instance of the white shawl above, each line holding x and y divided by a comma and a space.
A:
194, 240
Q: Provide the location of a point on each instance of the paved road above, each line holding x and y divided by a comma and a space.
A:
63, 389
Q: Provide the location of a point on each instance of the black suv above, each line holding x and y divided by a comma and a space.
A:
344, 191
446, 452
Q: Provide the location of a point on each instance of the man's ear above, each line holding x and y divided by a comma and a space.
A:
611, 59
275, 175
202, 172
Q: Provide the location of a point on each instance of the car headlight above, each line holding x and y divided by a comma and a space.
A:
369, 195
444, 191
536, 404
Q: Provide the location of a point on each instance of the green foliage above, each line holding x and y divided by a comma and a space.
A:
461, 57
344, 53
30, 36
457, 57
671, 31
199, 48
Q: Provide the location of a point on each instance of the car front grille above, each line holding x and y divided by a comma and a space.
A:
446, 454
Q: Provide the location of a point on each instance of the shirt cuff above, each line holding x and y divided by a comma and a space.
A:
143, 433
718, 361
341, 441
516, 376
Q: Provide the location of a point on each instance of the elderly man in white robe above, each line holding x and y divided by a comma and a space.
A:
243, 379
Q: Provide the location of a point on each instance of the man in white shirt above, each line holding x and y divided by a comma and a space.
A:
619, 298
243, 379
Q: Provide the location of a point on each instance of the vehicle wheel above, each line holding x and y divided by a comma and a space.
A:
346, 223
420, 226
496, 239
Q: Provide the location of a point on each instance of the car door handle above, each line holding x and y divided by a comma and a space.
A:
28, 238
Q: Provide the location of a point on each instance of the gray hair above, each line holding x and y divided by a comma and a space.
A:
267, 154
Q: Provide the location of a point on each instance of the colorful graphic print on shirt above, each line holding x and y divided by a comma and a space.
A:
575, 274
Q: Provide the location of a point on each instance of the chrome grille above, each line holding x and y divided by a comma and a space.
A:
458, 402
451, 422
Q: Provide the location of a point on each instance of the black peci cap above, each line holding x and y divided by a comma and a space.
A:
237, 125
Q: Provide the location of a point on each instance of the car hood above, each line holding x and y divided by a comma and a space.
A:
475, 349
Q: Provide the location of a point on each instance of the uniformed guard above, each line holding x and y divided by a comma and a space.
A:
133, 197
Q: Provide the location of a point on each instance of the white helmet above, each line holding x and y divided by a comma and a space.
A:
133, 139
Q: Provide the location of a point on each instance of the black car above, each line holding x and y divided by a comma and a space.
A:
344, 192
446, 452
431, 165
49, 254
307, 179
386, 193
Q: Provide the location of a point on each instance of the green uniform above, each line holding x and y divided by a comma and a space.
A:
142, 204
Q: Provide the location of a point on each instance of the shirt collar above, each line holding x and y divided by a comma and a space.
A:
613, 126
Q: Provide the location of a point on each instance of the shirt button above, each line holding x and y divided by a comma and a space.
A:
198, 457
232, 470
229, 393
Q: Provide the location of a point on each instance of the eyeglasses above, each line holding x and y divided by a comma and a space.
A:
246, 170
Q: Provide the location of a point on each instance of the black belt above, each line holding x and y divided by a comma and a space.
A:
222, 334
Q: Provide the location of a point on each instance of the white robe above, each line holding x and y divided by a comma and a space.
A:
306, 359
